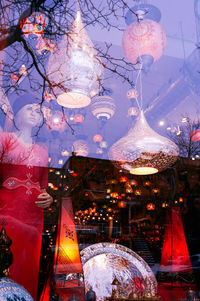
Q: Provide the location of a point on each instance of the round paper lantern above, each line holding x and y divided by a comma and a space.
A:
103, 107
74, 68
142, 151
10, 290
195, 135
144, 41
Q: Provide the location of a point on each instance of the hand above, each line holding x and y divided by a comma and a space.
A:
44, 200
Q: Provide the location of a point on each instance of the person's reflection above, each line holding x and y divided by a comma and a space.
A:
24, 179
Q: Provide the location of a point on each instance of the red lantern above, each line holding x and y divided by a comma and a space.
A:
78, 118
195, 136
97, 138
114, 195
122, 204
133, 93
123, 179
150, 206
145, 38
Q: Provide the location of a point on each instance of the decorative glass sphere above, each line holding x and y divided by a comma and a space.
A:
10, 290
103, 107
144, 39
142, 151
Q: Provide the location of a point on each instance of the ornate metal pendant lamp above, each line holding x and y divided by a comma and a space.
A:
74, 68
142, 151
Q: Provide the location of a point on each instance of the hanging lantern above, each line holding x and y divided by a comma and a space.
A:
150, 206
195, 136
80, 147
74, 68
97, 138
56, 121
78, 118
144, 41
133, 93
133, 182
156, 190
103, 107
132, 111
123, 179
114, 195
121, 204
142, 151
34, 25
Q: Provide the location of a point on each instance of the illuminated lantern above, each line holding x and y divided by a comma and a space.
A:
142, 151
14, 77
33, 25
132, 111
97, 138
123, 179
156, 190
103, 107
133, 93
150, 206
121, 204
195, 136
80, 147
45, 45
133, 182
147, 183
48, 96
129, 190
78, 118
74, 68
144, 42
138, 192
114, 195
56, 121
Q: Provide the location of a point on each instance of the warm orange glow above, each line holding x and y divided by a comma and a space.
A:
67, 258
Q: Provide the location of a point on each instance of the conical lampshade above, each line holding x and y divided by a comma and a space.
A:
74, 68
142, 151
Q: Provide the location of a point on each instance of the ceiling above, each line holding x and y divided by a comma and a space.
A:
170, 89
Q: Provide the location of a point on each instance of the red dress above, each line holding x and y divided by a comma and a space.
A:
23, 172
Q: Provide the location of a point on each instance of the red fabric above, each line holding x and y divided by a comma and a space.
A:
17, 206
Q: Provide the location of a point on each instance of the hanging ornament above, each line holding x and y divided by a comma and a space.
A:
80, 147
74, 68
142, 151
97, 138
45, 45
78, 118
144, 40
33, 26
55, 120
103, 107
150, 206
